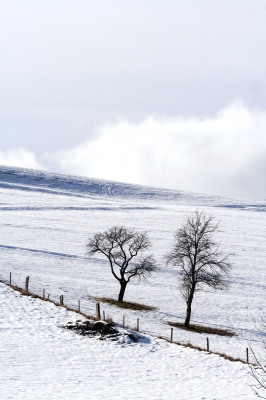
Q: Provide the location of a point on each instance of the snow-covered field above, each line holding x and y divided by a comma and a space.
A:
46, 220
41, 360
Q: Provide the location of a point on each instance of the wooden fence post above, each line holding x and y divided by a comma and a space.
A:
137, 324
172, 334
43, 294
208, 345
247, 355
79, 305
27, 284
61, 298
10, 279
98, 311
104, 315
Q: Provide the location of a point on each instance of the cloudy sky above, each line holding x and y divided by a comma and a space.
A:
168, 93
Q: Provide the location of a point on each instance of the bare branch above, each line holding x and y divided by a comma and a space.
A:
198, 257
258, 371
121, 245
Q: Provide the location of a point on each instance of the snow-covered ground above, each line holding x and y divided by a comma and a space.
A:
46, 220
41, 360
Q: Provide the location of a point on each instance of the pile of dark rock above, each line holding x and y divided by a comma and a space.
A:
102, 330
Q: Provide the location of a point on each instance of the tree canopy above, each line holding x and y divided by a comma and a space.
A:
124, 248
201, 262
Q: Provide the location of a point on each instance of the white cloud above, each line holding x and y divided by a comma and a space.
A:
223, 155
68, 66
19, 158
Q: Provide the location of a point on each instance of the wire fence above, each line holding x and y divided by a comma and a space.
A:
101, 315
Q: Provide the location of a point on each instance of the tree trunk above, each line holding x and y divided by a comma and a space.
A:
122, 291
189, 302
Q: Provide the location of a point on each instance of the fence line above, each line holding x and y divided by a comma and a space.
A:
98, 317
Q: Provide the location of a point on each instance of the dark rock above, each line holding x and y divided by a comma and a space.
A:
108, 330
133, 337
87, 325
98, 326
92, 328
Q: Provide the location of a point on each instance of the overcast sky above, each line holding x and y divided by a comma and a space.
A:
168, 93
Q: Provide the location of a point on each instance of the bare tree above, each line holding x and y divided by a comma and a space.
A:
199, 258
124, 249
258, 370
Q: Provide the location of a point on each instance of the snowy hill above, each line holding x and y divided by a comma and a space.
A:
47, 218
45, 182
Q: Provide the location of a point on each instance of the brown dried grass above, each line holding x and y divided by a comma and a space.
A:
125, 304
202, 329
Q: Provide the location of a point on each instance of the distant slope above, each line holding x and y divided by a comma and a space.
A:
41, 181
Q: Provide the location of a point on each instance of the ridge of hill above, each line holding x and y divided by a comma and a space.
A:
70, 185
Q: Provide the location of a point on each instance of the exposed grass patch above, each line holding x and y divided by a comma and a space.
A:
203, 329
125, 304
18, 289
